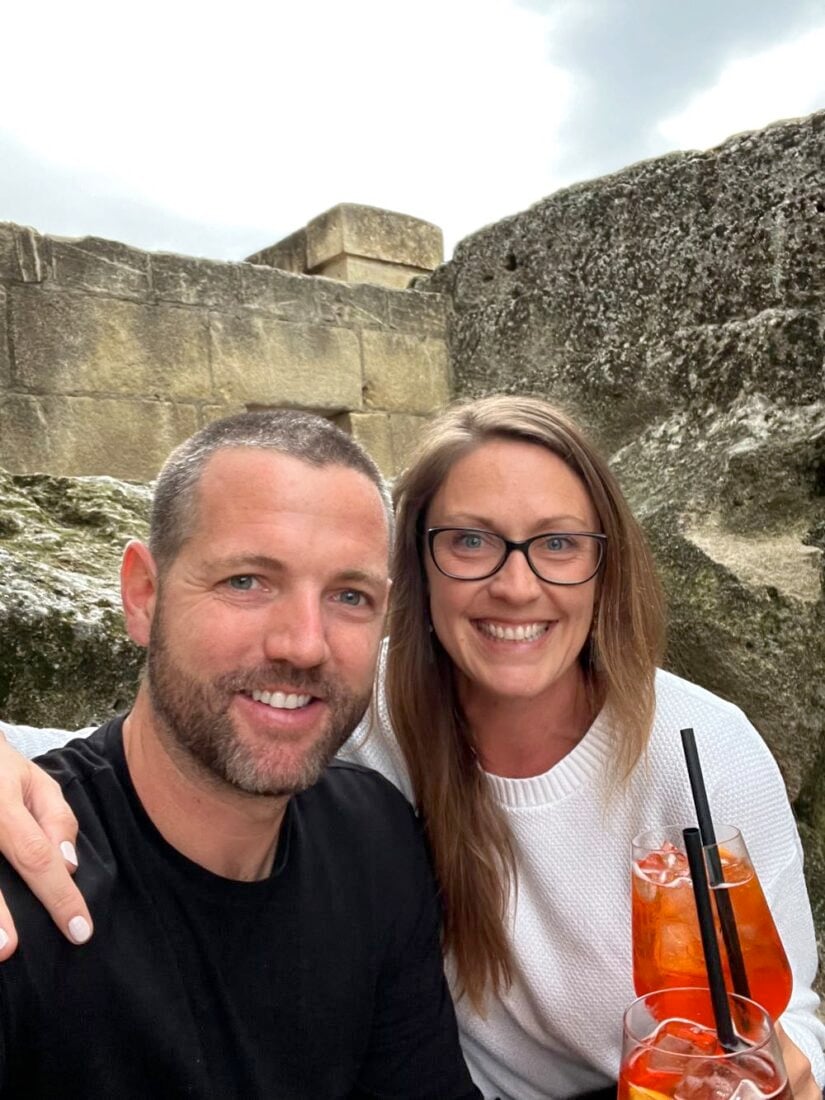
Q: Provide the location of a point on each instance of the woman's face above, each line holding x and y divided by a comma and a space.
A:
516, 490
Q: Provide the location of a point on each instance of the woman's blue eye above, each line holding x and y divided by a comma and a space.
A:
469, 540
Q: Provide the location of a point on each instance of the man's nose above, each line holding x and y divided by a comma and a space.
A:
296, 632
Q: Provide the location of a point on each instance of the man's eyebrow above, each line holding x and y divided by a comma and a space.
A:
361, 576
245, 562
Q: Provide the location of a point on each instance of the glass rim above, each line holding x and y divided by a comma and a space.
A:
725, 834
748, 1003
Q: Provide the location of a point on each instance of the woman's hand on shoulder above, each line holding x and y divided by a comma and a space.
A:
37, 836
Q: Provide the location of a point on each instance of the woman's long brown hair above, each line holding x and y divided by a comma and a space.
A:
468, 833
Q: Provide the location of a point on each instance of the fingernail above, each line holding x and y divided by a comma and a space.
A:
68, 852
79, 929
4, 939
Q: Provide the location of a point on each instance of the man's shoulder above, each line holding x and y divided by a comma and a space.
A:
362, 789
84, 758
353, 804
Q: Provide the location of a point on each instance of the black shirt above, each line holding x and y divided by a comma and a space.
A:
322, 981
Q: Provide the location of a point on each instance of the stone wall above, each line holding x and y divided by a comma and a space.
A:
109, 356
677, 308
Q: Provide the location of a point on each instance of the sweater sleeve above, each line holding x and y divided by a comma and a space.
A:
32, 741
759, 805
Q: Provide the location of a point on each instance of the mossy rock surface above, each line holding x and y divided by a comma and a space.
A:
64, 655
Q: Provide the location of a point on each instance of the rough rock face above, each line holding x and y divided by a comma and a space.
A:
64, 656
677, 308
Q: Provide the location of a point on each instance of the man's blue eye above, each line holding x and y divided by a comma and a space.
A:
352, 598
241, 583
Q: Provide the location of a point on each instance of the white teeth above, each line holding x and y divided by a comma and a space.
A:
526, 633
281, 701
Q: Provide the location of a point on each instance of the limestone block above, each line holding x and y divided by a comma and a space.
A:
25, 256
96, 265
208, 413
287, 297
418, 312
375, 234
256, 359
85, 435
405, 373
193, 281
356, 269
406, 432
290, 254
372, 431
66, 343
358, 306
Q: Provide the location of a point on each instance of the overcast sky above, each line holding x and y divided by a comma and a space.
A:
218, 128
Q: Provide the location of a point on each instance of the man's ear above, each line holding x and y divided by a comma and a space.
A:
138, 590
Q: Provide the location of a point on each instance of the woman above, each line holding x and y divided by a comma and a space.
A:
524, 716
537, 739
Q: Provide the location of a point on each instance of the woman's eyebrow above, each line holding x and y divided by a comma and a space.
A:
466, 519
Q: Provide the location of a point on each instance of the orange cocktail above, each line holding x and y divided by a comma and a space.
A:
667, 948
679, 1058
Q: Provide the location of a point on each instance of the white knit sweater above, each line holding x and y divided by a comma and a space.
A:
557, 1031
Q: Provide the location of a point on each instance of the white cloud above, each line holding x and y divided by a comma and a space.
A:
783, 82
259, 111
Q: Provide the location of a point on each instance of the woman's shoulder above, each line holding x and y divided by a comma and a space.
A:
728, 744
681, 703
373, 742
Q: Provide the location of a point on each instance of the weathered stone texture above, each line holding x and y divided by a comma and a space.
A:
372, 431
406, 431
194, 282
5, 358
95, 265
84, 435
357, 269
67, 343
677, 308
375, 234
257, 359
24, 254
405, 373
290, 254
63, 648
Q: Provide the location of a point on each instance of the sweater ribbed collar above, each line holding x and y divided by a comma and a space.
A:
588, 759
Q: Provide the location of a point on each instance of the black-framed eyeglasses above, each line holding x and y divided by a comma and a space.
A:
557, 557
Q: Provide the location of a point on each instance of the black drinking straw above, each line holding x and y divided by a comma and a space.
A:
713, 960
727, 921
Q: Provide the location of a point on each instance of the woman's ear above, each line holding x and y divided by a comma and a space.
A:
138, 590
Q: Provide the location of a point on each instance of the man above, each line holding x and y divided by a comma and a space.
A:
267, 924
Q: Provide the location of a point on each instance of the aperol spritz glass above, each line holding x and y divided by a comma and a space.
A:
670, 1051
667, 948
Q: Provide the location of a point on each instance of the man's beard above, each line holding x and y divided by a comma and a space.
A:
196, 716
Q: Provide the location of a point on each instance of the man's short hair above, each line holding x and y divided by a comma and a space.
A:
300, 435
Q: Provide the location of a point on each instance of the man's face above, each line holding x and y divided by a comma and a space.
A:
267, 623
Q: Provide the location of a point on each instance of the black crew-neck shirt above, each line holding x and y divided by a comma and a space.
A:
322, 981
